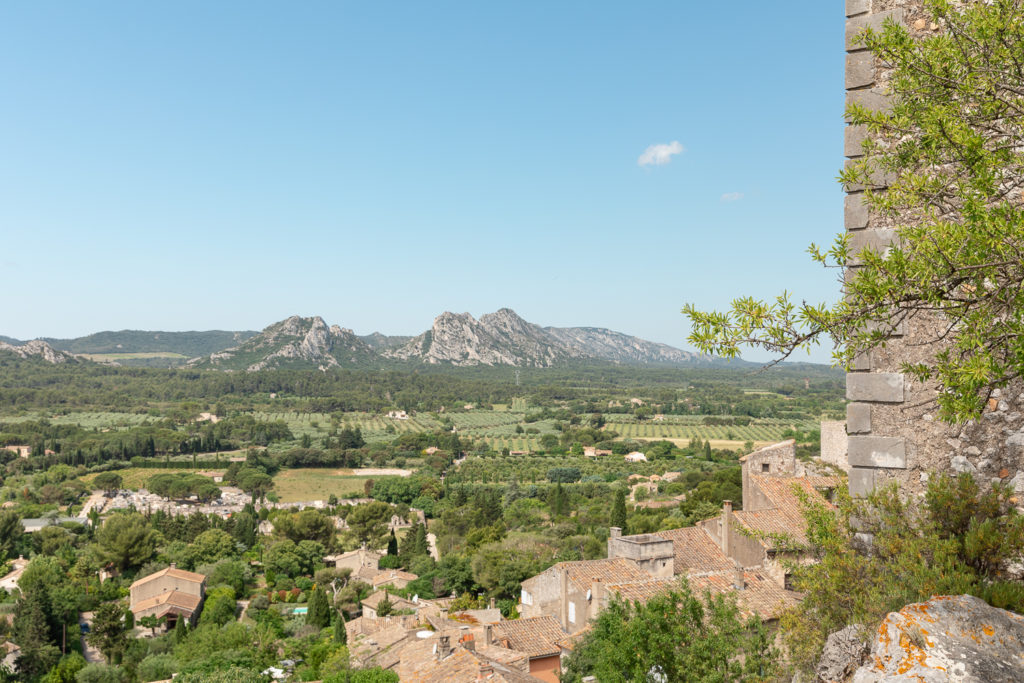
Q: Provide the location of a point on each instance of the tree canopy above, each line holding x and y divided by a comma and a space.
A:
952, 144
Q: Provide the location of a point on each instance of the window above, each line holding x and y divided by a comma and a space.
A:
787, 582
572, 612
765, 467
526, 598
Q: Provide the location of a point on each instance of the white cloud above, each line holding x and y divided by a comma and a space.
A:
659, 155
732, 196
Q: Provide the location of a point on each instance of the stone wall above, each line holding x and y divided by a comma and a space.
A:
892, 431
833, 443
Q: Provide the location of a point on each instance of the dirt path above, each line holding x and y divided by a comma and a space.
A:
91, 654
96, 500
432, 547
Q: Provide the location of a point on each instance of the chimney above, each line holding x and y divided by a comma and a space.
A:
468, 642
488, 634
615, 531
563, 599
726, 526
444, 612
492, 603
596, 598
444, 647
738, 581
486, 671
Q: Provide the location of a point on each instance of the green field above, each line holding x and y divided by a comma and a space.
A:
316, 484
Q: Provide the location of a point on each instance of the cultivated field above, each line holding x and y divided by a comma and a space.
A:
136, 477
316, 484
677, 430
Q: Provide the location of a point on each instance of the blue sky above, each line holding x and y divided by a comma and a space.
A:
198, 165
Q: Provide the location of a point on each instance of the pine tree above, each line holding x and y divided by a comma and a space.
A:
618, 517
32, 635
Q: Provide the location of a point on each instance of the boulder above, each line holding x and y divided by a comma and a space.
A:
949, 638
844, 651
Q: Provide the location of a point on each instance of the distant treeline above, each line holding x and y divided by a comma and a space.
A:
34, 384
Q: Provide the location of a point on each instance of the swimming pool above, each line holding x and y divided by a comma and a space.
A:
300, 610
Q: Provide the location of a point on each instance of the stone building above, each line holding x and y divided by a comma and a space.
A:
172, 593
890, 420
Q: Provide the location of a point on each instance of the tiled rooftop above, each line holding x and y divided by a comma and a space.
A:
172, 572
695, 550
618, 570
761, 595
535, 636
169, 599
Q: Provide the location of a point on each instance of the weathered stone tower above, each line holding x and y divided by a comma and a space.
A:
893, 434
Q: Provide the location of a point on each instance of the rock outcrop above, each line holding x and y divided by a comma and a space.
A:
949, 638
294, 341
38, 349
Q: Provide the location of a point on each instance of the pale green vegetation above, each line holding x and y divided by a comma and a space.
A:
317, 484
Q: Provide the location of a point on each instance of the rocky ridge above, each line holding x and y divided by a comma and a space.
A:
40, 349
504, 338
293, 341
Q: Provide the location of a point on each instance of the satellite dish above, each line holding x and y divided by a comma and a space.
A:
588, 595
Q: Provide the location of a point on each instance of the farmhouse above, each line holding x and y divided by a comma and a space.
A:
171, 592
636, 456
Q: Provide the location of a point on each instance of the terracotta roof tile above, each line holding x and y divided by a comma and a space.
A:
420, 665
536, 636
173, 572
785, 518
170, 599
397, 601
695, 550
761, 595
617, 570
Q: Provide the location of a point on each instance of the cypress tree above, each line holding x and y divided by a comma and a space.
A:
392, 544
420, 546
340, 634
319, 612
618, 517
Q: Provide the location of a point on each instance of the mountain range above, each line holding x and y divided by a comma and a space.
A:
456, 339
